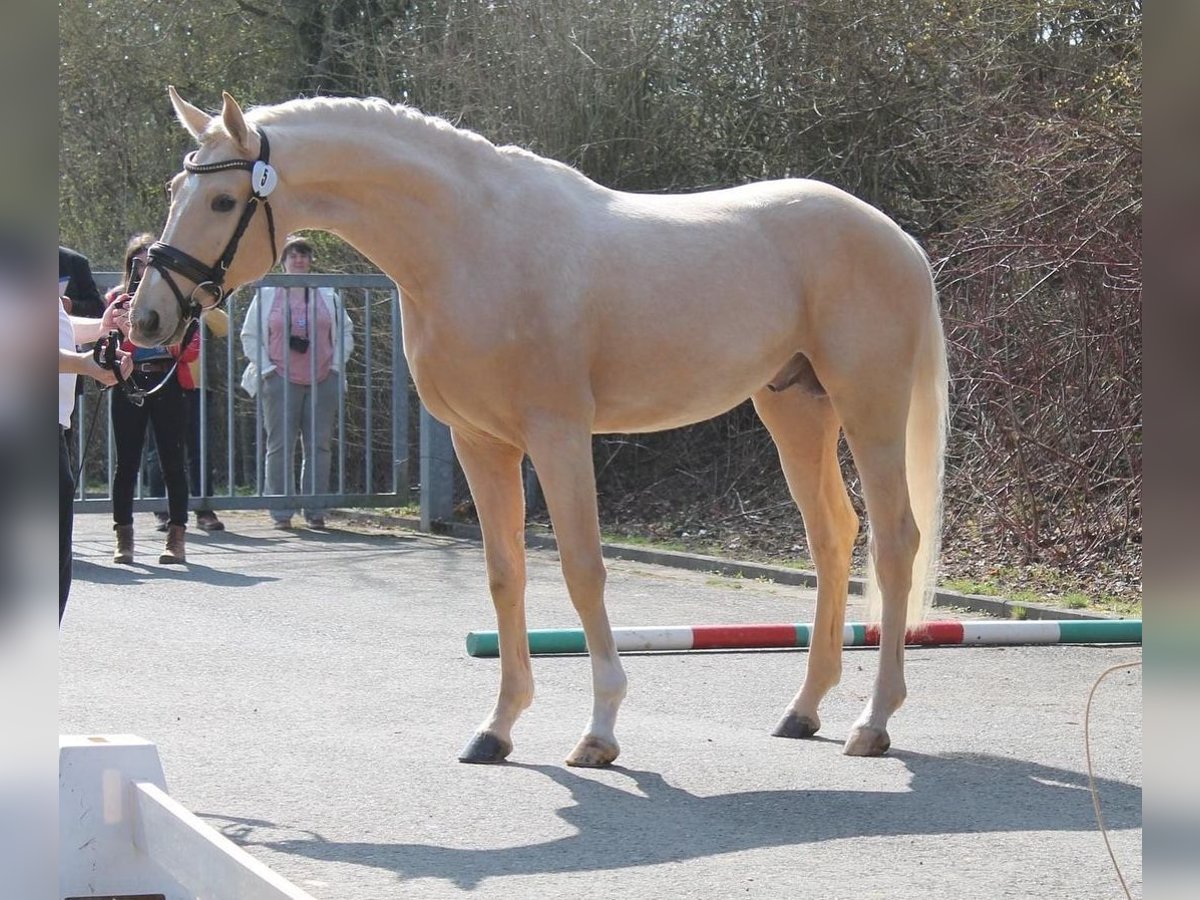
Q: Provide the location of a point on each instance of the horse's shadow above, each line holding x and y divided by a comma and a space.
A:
659, 823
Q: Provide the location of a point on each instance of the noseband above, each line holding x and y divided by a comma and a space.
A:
165, 259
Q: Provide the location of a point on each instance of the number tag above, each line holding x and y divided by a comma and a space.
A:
263, 179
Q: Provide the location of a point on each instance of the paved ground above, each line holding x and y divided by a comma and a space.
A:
309, 693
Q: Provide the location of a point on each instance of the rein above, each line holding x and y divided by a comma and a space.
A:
165, 259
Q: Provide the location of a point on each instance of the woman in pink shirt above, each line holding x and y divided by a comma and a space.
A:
297, 340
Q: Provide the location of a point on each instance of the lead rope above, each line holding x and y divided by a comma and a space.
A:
91, 433
1087, 748
188, 334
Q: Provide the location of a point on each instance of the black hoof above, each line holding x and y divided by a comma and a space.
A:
485, 747
794, 726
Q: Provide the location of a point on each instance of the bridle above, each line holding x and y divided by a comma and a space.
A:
165, 259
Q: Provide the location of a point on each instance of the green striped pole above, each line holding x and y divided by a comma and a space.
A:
993, 633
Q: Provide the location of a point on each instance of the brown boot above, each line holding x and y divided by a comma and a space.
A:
173, 552
123, 550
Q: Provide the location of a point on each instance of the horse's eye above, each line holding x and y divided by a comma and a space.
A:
223, 203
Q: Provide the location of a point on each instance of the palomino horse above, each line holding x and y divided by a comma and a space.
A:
540, 308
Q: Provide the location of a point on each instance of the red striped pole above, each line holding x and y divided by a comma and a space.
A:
988, 632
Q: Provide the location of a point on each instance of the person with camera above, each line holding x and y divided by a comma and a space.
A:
155, 370
297, 340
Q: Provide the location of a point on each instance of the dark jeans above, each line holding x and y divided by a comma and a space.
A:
66, 521
154, 478
166, 413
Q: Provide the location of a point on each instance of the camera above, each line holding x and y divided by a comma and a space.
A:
298, 344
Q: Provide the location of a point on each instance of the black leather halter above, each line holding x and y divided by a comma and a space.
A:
165, 259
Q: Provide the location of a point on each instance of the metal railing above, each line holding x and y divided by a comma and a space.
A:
381, 425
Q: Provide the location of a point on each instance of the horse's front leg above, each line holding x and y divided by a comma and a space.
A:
562, 456
493, 471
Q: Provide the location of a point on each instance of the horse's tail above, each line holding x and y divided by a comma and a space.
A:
928, 423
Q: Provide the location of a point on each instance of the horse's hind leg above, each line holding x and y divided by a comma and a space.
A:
493, 473
876, 435
562, 455
805, 430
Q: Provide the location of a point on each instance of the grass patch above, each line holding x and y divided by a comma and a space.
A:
970, 586
1043, 586
800, 563
1077, 601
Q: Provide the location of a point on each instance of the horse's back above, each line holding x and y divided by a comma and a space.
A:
782, 239
797, 201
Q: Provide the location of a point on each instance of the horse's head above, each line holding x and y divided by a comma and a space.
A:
213, 242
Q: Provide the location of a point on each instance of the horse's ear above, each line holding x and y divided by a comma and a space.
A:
193, 119
235, 123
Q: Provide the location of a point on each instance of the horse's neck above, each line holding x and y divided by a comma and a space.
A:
399, 195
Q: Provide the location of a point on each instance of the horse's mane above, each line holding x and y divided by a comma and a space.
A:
374, 111
370, 110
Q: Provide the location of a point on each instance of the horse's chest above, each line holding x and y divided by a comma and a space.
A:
436, 383
460, 385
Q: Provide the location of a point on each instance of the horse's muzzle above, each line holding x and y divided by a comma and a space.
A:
147, 329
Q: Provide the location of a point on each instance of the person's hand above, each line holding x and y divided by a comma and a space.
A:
125, 363
90, 367
66, 304
116, 316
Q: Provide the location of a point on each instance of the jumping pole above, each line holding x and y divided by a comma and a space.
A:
544, 641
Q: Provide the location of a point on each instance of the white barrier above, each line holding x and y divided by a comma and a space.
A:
121, 834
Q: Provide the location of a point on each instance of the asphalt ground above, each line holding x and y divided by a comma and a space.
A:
309, 693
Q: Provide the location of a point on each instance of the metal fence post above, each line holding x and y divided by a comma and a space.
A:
437, 471
400, 406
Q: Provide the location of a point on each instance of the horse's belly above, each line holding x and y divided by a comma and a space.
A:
657, 404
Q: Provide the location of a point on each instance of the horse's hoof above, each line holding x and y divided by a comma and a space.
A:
485, 747
794, 726
593, 753
864, 741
